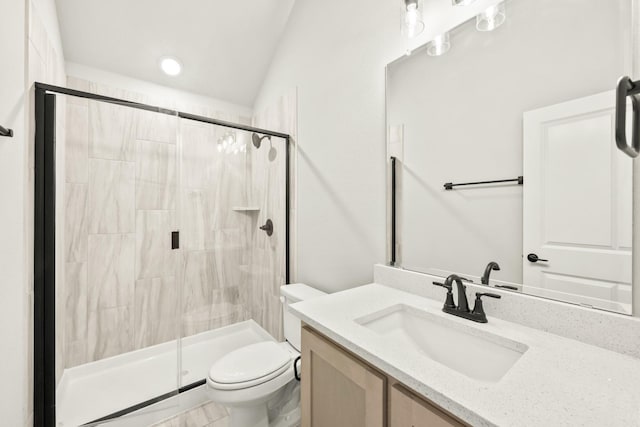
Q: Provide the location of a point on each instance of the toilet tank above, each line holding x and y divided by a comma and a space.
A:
290, 294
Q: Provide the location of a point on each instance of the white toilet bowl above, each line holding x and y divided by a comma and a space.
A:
246, 379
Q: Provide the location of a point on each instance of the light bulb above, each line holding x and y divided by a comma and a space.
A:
462, 2
439, 45
413, 24
491, 18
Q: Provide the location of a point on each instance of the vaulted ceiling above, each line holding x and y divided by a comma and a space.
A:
225, 46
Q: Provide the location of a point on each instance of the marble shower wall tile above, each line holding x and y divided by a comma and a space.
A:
112, 131
76, 224
198, 154
75, 353
76, 302
197, 223
77, 143
156, 311
267, 186
81, 85
110, 332
155, 175
154, 256
226, 256
198, 281
111, 197
110, 270
151, 126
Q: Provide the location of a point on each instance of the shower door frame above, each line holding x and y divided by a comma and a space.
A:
44, 331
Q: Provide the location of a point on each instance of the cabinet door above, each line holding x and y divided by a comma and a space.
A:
407, 410
337, 389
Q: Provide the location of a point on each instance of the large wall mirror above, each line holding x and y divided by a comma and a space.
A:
532, 103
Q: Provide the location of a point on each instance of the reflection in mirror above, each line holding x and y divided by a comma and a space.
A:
529, 103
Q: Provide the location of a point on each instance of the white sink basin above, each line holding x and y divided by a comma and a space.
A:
472, 352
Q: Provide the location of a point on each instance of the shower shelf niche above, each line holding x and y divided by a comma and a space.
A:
245, 208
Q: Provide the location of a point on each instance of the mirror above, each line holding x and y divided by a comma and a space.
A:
531, 104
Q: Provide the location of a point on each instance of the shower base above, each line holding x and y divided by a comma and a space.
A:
123, 383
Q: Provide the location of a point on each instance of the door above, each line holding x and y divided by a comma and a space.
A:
408, 410
577, 205
338, 390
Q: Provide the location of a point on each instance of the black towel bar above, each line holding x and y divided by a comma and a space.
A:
450, 185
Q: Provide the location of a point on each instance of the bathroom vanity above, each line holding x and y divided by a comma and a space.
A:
341, 389
379, 355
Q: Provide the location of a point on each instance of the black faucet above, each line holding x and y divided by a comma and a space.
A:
487, 272
462, 310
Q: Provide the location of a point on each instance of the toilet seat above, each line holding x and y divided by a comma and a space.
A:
249, 366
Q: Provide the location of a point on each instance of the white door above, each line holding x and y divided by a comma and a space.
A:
577, 207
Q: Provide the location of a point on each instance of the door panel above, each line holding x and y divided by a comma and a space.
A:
577, 205
407, 410
338, 390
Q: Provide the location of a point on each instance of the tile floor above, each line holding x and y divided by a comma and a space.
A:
208, 414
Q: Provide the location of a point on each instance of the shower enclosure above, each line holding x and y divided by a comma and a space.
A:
161, 241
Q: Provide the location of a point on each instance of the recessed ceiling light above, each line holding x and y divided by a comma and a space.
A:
170, 66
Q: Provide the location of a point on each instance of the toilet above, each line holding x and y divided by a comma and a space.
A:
246, 379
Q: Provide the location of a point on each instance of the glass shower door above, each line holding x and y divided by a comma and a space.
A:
117, 317
233, 239
214, 214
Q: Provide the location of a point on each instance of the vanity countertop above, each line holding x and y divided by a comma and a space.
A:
557, 381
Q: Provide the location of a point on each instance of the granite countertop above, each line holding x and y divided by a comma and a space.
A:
556, 382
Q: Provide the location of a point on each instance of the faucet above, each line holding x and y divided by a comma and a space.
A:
462, 309
487, 272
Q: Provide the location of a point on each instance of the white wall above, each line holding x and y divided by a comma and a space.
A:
335, 53
13, 290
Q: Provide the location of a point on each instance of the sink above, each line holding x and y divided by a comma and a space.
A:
470, 351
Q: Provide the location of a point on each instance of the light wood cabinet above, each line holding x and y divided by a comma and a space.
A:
408, 410
340, 390
337, 389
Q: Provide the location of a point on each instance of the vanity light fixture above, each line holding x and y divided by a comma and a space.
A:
229, 143
439, 45
170, 66
491, 18
462, 2
412, 21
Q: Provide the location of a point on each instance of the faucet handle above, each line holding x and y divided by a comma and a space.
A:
448, 286
487, 294
448, 304
478, 309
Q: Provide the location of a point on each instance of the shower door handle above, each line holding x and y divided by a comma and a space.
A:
628, 88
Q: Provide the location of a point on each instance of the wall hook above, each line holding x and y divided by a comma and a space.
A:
6, 132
